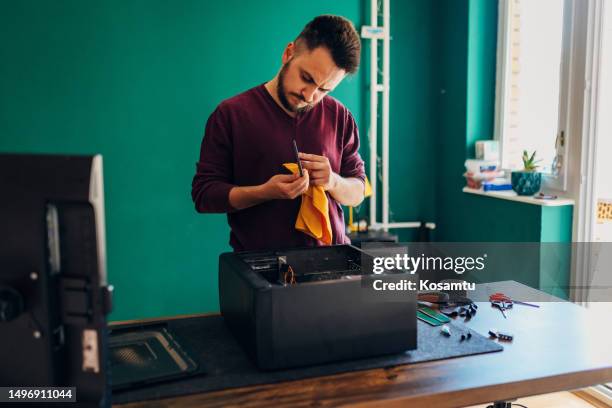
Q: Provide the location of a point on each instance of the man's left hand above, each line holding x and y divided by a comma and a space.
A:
320, 171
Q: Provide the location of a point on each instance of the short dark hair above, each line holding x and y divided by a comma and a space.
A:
338, 35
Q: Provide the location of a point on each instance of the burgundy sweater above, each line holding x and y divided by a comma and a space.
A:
247, 140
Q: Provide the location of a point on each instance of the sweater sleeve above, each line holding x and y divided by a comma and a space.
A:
214, 171
352, 164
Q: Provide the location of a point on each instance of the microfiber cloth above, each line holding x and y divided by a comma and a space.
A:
313, 218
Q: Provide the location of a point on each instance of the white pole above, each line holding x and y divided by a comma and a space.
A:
373, 111
375, 88
411, 224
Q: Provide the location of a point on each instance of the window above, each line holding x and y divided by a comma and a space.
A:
533, 55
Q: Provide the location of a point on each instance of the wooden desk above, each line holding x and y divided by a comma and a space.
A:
557, 347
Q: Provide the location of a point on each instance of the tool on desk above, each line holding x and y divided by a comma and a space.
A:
465, 336
502, 306
504, 298
297, 158
434, 315
467, 311
428, 319
449, 304
433, 297
428, 304
505, 336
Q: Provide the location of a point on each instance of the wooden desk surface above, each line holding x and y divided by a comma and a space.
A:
560, 346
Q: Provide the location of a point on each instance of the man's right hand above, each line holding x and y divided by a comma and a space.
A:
286, 186
279, 187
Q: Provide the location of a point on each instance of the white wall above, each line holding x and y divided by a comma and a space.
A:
603, 185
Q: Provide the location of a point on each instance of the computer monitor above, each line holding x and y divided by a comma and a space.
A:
54, 296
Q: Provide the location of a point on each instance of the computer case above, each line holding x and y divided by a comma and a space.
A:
313, 305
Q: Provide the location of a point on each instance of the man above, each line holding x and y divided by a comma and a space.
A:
249, 137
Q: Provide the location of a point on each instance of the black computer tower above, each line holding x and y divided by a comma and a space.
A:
329, 312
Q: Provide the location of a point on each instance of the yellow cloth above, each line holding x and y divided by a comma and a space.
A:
313, 218
353, 227
368, 188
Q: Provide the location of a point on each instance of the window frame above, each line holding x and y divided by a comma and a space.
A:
566, 79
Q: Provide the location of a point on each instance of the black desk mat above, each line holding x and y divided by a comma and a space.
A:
226, 365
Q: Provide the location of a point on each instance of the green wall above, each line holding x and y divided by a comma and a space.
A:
482, 60
136, 81
412, 120
451, 107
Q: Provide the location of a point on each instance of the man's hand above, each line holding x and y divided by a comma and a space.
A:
347, 191
283, 186
321, 173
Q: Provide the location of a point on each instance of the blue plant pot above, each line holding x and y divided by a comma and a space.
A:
526, 183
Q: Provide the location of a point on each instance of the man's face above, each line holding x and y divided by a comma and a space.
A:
306, 77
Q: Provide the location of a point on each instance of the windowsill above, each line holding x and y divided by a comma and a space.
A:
512, 196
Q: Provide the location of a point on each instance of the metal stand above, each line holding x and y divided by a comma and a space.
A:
380, 84
501, 404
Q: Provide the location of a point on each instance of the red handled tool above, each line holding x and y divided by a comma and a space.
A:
502, 306
500, 297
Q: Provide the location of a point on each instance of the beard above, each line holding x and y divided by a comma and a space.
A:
283, 95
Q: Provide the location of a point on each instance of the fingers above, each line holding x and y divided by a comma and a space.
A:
319, 167
311, 157
301, 184
287, 178
314, 165
319, 171
298, 189
297, 186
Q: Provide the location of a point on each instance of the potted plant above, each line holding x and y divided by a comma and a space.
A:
527, 182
